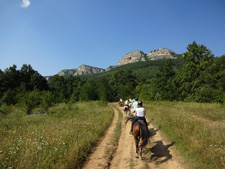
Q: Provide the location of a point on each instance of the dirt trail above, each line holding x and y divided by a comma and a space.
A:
159, 153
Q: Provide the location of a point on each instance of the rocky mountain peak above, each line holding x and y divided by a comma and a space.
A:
138, 55
161, 54
85, 69
81, 70
132, 57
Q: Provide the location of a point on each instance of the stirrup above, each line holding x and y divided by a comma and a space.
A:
130, 132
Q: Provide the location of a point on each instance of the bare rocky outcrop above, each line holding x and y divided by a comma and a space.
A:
48, 77
161, 54
138, 55
82, 70
132, 57
67, 72
85, 69
110, 68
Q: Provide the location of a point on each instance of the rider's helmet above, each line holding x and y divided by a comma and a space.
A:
136, 99
140, 103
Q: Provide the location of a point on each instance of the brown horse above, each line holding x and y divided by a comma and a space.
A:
121, 104
140, 131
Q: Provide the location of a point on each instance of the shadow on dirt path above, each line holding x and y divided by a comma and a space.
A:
159, 151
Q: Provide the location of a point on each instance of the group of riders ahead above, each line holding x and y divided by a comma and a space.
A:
138, 110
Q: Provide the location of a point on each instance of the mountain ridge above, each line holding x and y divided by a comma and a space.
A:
131, 57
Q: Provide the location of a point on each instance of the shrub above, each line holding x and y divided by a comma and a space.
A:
30, 101
5, 109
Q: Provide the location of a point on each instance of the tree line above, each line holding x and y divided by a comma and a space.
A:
200, 78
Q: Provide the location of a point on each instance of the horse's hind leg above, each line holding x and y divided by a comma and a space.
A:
141, 147
137, 148
141, 153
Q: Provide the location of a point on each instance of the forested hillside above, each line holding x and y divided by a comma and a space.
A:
143, 70
195, 76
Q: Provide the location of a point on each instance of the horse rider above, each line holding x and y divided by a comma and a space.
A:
126, 103
139, 115
121, 102
132, 101
135, 104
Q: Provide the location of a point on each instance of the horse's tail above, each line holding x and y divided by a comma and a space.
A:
130, 117
143, 134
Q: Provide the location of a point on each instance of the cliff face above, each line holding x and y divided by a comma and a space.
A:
138, 55
132, 57
83, 69
67, 72
161, 54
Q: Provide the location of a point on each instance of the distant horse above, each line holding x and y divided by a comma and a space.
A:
140, 131
126, 109
121, 104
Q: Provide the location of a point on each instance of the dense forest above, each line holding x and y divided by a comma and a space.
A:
194, 76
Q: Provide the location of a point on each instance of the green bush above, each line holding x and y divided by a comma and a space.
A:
30, 101
208, 94
9, 97
47, 99
4, 109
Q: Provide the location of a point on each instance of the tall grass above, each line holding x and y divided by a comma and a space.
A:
197, 128
59, 139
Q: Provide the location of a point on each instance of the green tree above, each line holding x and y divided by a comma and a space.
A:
146, 90
165, 86
104, 90
58, 88
196, 60
76, 87
14, 83
30, 101
9, 79
123, 84
89, 91
31, 79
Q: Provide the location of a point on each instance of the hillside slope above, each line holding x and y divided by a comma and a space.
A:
143, 70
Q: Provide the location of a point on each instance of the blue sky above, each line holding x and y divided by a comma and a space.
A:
52, 35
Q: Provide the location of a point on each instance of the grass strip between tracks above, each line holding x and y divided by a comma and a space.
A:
115, 139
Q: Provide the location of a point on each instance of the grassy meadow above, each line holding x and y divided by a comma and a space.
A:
60, 138
198, 130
